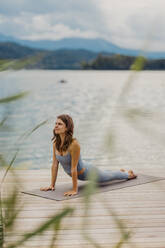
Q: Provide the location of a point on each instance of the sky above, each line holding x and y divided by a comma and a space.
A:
133, 24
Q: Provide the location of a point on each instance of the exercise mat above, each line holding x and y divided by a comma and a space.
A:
58, 193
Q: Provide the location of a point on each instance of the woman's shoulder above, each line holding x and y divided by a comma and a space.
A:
75, 144
74, 141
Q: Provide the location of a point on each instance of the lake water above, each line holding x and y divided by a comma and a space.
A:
91, 98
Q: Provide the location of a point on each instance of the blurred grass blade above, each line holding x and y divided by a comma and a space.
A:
125, 235
10, 207
35, 128
54, 236
25, 135
89, 190
2, 161
3, 126
56, 228
18, 149
3, 121
139, 63
14, 97
8, 168
1, 225
22, 63
8, 100
43, 227
6, 64
142, 121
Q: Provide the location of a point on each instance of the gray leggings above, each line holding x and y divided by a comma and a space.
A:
103, 175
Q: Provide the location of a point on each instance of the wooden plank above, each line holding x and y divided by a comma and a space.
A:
44, 212
140, 208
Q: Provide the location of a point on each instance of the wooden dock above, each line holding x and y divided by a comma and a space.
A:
140, 208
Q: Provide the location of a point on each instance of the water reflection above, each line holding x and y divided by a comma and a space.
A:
89, 97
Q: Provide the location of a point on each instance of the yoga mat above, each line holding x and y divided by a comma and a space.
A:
58, 194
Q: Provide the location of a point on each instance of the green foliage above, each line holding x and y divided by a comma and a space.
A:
89, 190
26, 62
54, 221
6, 64
139, 63
10, 213
23, 138
122, 62
9, 205
13, 97
124, 232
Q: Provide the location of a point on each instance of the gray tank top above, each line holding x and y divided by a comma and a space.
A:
65, 161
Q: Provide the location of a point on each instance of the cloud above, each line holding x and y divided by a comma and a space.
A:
50, 19
41, 28
131, 24
125, 23
15, 7
46, 26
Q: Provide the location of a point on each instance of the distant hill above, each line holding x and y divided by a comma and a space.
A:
60, 59
16, 56
66, 59
9, 50
93, 45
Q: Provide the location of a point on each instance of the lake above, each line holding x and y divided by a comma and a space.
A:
106, 135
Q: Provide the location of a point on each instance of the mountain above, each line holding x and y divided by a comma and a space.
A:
11, 50
59, 59
16, 56
65, 59
4, 38
93, 45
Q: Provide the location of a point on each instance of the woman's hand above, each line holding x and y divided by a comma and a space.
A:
70, 193
48, 188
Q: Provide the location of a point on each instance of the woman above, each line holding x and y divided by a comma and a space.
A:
66, 150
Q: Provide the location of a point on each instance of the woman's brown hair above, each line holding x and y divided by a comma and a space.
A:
69, 133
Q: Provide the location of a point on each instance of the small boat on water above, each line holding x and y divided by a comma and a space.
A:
62, 81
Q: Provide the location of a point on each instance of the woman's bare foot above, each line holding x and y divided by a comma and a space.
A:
130, 173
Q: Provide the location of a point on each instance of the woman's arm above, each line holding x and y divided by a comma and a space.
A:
75, 154
54, 168
54, 171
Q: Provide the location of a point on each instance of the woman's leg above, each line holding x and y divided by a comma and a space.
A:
109, 175
106, 175
103, 175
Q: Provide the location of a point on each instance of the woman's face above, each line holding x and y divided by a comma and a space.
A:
60, 127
